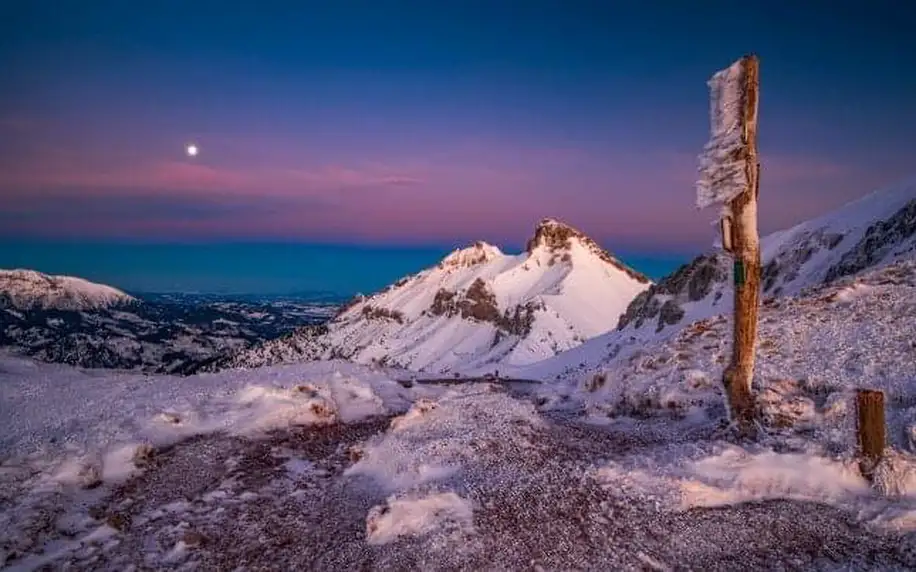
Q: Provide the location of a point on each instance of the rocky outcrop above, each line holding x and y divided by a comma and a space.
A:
880, 240
786, 265
479, 303
376, 313
662, 302
478, 253
557, 238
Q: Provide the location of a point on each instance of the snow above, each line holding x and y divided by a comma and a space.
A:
814, 351
27, 289
558, 284
448, 480
415, 517
734, 476
722, 175
848, 225
615, 460
56, 410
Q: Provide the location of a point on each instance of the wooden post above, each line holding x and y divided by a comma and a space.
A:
745, 246
730, 176
870, 429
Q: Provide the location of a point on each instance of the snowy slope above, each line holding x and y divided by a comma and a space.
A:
855, 332
27, 289
865, 234
479, 306
869, 232
814, 351
874, 230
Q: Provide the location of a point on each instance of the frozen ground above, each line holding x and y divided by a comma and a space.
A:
475, 479
470, 478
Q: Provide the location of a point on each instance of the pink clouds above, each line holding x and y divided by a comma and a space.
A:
471, 189
174, 176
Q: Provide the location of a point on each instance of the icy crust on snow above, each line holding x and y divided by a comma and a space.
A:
478, 308
28, 289
436, 441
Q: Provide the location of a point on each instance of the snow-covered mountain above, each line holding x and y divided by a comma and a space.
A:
162, 333
863, 235
478, 306
28, 289
869, 232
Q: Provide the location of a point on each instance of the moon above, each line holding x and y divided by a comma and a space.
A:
191, 150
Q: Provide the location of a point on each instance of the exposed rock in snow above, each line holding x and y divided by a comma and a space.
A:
866, 233
477, 253
304, 344
27, 289
885, 239
703, 279
479, 307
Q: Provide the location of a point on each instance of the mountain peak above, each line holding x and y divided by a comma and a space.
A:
556, 236
27, 289
477, 253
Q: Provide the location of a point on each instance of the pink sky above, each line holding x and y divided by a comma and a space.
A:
469, 188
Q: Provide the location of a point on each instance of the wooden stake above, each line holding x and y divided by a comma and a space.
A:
745, 245
870, 429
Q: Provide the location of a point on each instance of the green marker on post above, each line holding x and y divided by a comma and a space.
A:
739, 272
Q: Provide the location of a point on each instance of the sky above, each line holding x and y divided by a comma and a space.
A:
384, 127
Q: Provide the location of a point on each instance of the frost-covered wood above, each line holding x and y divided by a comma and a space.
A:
729, 175
722, 173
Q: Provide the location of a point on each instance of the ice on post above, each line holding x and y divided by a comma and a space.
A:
722, 166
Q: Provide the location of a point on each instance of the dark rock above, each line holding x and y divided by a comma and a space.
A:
689, 283
879, 240
557, 237
669, 314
